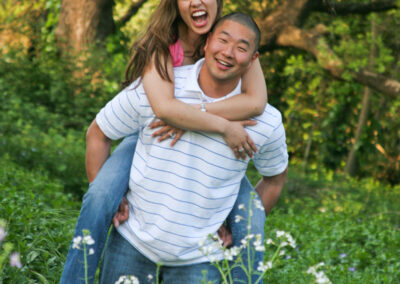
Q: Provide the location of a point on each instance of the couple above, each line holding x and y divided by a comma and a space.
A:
179, 195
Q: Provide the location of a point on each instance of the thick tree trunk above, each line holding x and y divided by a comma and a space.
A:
84, 22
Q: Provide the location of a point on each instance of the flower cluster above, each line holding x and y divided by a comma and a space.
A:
320, 276
289, 239
127, 280
85, 240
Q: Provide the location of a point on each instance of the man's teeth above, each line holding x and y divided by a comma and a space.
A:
224, 63
199, 14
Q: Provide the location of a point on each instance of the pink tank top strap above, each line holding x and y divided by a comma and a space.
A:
176, 51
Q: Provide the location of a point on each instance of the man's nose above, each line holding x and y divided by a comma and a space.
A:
228, 51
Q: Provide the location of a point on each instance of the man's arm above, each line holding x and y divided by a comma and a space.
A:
269, 189
98, 148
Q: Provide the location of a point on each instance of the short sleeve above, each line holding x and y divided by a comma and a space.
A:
120, 117
272, 157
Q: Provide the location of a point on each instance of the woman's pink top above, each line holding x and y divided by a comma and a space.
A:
176, 51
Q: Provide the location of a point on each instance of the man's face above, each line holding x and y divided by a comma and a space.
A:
229, 51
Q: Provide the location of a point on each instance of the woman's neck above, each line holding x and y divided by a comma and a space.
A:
188, 39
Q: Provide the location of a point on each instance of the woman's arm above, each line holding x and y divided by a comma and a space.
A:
160, 94
250, 103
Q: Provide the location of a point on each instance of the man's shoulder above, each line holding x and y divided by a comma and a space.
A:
271, 115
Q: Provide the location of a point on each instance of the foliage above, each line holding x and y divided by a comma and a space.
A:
352, 226
40, 221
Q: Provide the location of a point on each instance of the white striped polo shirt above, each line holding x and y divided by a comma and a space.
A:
178, 195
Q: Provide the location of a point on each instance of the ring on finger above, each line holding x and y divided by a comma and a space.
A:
171, 135
240, 150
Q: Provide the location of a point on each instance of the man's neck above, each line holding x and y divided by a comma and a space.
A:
215, 88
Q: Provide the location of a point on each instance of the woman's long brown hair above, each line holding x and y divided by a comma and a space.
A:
161, 32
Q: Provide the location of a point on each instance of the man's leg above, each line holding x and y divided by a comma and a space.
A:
122, 259
193, 274
98, 208
240, 231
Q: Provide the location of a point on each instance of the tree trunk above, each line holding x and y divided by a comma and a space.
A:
352, 162
84, 22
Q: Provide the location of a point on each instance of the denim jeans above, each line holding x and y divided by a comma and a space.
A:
121, 258
103, 198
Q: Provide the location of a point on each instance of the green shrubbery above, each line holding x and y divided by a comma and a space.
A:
352, 226
40, 218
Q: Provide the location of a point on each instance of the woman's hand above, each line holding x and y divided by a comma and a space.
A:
167, 131
239, 140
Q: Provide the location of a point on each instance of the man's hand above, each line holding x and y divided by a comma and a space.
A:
167, 131
225, 235
122, 213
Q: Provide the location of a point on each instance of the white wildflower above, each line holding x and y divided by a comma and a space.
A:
269, 242
264, 267
202, 242
15, 260
258, 243
149, 277
280, 234
232, 252
320, 276
242, 207
127, 280
282, 252
283, 244
258, 204
76, 242
88, 240
91, 251
238, 218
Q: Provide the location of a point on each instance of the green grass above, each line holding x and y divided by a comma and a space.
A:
328, 215
347, 224
40, 221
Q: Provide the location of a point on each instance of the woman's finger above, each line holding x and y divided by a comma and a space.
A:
162, 131
157, 123
253, 146
178, 136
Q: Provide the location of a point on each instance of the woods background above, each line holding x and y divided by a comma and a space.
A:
331, 67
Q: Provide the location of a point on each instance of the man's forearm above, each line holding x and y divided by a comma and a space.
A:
97, 150
269, 190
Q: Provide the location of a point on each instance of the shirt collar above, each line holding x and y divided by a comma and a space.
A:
192, 83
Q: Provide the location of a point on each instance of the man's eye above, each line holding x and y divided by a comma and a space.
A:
242, 49
222, 40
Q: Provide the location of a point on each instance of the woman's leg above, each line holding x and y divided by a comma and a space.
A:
98, 208
240, 230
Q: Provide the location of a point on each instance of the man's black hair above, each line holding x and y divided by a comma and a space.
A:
245, 20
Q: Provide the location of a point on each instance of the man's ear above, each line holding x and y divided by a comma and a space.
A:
207, 40
253, 58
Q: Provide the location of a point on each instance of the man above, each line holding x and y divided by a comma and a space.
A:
178, 195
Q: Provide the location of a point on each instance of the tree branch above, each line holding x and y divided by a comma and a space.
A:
311, 41
354, 8
133, 9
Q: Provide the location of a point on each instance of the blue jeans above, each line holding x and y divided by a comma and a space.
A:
121, 258
103, 198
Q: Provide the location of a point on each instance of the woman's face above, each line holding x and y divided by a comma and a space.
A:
198, 15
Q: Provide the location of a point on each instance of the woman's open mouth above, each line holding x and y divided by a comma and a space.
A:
200, 18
